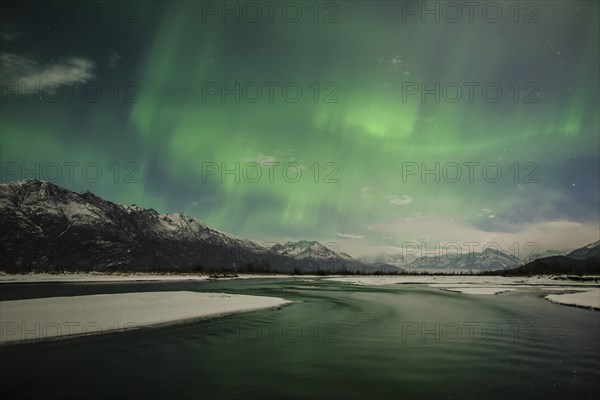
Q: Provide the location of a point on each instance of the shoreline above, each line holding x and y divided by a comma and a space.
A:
589, 299
108, 277
97, 277
586, 293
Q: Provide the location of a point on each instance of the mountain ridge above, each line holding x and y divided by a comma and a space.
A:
45, 226
584, 260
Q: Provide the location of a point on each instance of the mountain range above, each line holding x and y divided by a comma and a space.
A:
585, 260
490, 260
46, 227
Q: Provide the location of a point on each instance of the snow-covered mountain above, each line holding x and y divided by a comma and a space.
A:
303, 249
489, 259
44, 226
585, 260
548, 253
317, 254
397, 260
588, 251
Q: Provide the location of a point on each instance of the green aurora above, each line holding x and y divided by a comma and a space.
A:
186, 95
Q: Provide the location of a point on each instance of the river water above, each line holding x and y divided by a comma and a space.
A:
337, 341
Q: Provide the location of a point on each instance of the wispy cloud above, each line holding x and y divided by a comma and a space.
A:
261, 159
396, 63
349, 236
400, 201
487, 213
28, 71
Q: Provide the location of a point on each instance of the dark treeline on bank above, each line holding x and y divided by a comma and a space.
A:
554, 266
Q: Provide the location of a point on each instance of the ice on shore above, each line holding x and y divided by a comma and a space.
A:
46, 318
462, 280
475, 290
84, 277
588, 292
588, 298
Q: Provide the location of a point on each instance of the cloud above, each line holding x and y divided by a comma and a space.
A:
32, 73
349, 236
395, 62
487, 213
261, 159
401, 201
555, 234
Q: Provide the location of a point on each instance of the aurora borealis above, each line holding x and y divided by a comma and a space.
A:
282, 121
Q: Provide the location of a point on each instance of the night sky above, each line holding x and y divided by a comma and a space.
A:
323, 121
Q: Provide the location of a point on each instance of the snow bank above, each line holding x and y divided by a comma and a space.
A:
588, 298
83, 277
461, 280
96, 277
67, 317
588, 292
475, 290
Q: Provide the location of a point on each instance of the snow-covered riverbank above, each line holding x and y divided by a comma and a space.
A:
67, 317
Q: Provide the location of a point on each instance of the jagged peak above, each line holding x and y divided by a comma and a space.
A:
303, 243
34, 183
494, 251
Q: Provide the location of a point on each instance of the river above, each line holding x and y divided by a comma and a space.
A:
337, 341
